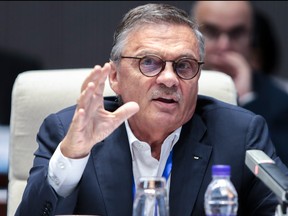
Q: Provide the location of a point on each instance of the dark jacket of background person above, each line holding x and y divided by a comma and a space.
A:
271, 101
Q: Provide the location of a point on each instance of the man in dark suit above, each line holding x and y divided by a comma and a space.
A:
240, 43
90, 154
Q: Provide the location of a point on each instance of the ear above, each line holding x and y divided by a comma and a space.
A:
114, 78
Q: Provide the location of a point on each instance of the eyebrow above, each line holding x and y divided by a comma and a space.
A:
215, 27
144, 53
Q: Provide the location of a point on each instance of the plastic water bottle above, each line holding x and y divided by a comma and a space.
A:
151, 197
221, 198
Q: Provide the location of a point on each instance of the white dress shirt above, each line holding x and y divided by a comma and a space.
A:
143, 162
65, 173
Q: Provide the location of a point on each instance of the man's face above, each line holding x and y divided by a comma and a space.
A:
166, 101
226, 26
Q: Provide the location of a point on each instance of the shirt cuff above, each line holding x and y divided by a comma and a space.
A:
65, 173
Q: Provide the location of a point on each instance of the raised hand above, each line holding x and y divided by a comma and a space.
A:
235, 65
91, 122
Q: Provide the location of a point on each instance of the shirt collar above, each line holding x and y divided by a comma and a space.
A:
169, 142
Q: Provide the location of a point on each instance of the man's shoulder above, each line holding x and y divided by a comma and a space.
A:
223, 116
208, 105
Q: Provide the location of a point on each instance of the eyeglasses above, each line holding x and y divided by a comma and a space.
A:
151, 65
236, 33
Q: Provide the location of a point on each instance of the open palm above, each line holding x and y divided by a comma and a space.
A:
91, 122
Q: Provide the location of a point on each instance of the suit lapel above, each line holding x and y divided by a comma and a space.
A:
190, 161
113, 165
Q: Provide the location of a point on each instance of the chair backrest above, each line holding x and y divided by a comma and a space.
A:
39, 93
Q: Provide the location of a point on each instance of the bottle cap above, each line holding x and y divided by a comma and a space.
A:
220, 170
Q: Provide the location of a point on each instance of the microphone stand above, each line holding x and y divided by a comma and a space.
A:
268, 172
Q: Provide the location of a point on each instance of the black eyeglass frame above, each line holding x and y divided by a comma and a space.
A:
174, 63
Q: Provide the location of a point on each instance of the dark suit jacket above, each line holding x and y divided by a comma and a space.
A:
218, 133
271, 102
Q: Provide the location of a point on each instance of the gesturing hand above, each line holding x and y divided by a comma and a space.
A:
91, 122
235, 65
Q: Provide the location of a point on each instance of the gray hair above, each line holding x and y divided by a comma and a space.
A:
152, 14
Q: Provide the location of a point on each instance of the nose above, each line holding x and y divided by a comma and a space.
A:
224, 42
168, 77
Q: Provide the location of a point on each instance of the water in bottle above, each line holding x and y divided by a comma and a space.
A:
221, 198
151, 197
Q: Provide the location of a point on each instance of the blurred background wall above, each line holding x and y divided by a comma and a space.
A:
75, 34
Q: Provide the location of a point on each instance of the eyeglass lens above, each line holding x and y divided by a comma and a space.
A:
152, 65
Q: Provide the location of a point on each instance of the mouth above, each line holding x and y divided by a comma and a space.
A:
165, 100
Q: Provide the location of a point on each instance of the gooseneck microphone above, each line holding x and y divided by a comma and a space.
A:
268, 172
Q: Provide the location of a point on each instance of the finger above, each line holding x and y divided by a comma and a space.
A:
96, 100
86, 96
97, 77
78, 121
126, 111
102, 76
90, 78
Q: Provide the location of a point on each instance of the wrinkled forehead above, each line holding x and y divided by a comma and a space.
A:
164, 35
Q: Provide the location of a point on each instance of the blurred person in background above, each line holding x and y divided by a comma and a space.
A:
239, 43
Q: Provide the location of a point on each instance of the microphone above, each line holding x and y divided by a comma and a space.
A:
267, 171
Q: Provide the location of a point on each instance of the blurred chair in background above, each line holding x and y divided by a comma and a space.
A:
11, 63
